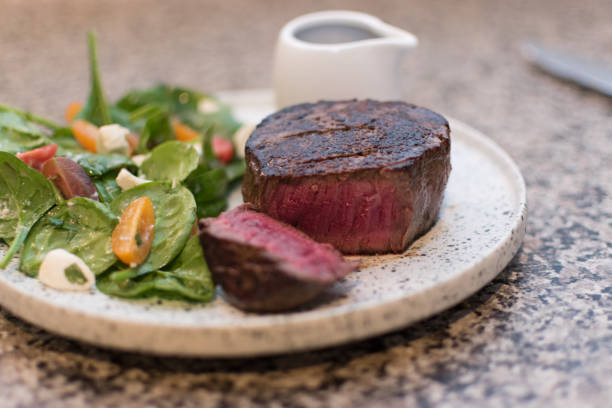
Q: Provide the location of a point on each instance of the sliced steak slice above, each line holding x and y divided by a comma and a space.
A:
364, 176
264, 265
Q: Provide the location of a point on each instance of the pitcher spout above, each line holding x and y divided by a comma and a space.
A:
396, 36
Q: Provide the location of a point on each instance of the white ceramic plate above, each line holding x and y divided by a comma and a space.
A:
481, 227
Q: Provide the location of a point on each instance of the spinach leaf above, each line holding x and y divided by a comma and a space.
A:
12, 141
187, 278
97, 165
207, 185
25, 195
235, 169
173, 99
66, 142
170, 161
27, 116
156, 130
185, 100
211, 208
144, 112
95, 110
190, 267
107, 187
175, 214
225, 124
148, 111
17, 135
209, 188
80, 226
11, 120
121, 117
208, 155
138, 98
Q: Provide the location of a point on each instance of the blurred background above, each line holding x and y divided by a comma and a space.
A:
468, 49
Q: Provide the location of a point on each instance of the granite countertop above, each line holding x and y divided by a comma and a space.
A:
539, 335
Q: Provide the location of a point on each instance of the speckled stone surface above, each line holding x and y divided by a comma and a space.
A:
539, 335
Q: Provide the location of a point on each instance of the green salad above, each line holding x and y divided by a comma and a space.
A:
120, 187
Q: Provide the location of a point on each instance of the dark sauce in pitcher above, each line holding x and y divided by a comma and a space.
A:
334, 34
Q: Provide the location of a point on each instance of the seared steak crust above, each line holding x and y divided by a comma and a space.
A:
365, 176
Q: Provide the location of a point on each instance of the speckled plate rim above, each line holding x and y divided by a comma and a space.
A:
292, 331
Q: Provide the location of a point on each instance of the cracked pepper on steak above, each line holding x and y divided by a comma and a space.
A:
362, 175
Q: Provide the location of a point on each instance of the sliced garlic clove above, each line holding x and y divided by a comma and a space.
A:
59, 265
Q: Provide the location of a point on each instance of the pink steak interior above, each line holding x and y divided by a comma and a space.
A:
350, 215
308, 259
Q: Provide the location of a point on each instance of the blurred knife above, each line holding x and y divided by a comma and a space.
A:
586, 73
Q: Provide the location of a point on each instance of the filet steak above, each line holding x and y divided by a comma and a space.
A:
264, 265
362, 175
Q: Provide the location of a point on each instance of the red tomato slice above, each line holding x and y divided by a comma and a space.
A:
223, 149
36, 157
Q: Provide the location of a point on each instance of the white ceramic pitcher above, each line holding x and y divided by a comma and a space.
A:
338, 55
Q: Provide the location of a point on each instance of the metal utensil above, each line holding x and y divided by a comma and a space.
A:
571, 68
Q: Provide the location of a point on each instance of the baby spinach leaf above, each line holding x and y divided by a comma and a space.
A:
11, 120
185, 100
27, 116
97, 165
107, 187
12, 141
128, 288
175, 214
173, 99
137, 98
95, 110
224, 121
17, 134
66, 142
25, 195
187, 278
212, 208
170, 161
207, 185
209, 188
190, 267
235, 169
208, 155
121, 117
156, 130
80, 226
147, 111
